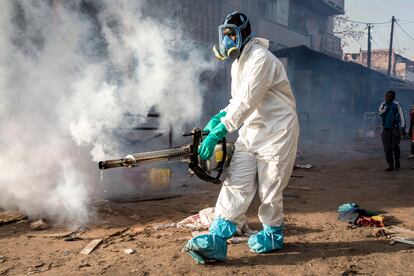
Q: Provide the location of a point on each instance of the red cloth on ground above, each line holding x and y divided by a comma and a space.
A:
368, 221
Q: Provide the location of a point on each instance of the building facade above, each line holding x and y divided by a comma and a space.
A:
401, 67
334, 96
286, 23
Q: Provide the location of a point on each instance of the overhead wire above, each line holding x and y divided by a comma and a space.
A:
361, 40
381, 25
366, 23
381, 38
375, 42
404, 31
397, 43
408, 21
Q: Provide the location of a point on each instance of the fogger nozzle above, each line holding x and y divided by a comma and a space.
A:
109, 164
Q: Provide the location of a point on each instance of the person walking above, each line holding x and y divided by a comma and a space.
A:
393, 122
411, 132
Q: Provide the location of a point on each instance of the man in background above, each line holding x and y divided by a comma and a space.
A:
393, 123
411, 132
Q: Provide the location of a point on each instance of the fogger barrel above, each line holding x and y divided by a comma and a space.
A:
136, 159
186, 153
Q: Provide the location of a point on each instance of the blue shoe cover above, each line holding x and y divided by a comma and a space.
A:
223, 228
207, 247
267, 240
212, 246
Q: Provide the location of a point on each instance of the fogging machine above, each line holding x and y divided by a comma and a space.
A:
188, 153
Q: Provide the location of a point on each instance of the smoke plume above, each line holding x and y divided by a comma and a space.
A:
69, 72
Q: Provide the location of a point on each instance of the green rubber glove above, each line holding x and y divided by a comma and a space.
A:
206, 149
214, 121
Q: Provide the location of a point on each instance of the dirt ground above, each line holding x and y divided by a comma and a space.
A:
316, 243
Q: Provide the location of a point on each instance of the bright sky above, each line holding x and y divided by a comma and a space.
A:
382, 11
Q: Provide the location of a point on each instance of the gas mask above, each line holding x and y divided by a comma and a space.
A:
229, 48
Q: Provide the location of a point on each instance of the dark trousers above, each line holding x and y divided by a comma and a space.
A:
391, 139
412, 147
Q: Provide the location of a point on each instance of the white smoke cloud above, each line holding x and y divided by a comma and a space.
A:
67, 79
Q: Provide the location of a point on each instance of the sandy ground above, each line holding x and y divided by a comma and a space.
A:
316, 242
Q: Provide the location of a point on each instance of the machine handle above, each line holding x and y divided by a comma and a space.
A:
204, 133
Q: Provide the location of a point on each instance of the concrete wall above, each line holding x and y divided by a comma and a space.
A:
309, 20
281, 36
337, 4
200, 19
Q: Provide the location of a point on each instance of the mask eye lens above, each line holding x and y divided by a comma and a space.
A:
229, 32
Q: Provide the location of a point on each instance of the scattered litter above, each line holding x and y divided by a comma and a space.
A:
192, 222
11, 216
199, 222
65, 235
47, 234
399, 234
399, 230
91, 246
207, 216
374, 221
236, 240
2, 259
129, 251
381, 233
40, 270
202, 220
307, 166
120, 232
161, 226
353, 270
72, 238
403, 240
83, 263
303, 188
351, 213
39, 225
146, 198
246, 231
135, 217
82, 229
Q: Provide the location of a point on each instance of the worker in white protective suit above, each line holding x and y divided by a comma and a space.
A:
263, 108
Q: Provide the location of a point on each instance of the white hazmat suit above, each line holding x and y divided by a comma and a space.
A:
262, 104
